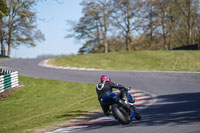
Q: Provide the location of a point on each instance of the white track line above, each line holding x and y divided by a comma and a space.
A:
44, 63
138, 94
142, 97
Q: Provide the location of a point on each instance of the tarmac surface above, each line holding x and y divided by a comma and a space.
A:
176, 110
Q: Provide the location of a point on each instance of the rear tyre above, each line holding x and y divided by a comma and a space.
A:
119, 115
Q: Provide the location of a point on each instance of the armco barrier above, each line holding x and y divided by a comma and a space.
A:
8, 79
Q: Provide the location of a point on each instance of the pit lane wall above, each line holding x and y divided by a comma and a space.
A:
8, 79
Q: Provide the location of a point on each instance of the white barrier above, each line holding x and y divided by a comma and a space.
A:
8, 79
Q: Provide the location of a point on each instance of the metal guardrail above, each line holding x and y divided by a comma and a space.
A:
8, 79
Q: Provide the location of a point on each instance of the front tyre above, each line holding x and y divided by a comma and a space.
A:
119, 115
137, 114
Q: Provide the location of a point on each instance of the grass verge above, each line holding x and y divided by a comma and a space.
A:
3, 58
44, 102
135, 60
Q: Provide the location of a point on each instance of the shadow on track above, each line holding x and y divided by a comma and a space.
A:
174, 109
171, 109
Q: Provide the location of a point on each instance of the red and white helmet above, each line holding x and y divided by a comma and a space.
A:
105, 78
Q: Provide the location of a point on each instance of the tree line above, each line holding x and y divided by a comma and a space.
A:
114, 25
18, 25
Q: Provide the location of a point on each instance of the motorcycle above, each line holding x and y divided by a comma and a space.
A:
123, 109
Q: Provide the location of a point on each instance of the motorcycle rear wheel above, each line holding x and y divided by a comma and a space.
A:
119, 115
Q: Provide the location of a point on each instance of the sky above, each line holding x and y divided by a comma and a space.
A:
52, 17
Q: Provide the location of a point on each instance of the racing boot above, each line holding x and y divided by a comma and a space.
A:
109, 112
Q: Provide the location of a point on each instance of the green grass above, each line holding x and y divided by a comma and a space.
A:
45, 102
135, 60
3, 58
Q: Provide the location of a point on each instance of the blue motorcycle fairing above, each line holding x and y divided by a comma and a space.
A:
109, 99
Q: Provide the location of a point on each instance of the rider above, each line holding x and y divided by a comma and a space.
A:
105, 87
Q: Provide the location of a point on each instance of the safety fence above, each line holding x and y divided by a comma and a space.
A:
8, 79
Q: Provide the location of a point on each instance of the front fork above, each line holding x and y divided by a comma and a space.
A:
133, 112
131, 100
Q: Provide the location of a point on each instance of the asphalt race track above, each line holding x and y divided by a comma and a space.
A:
177, 109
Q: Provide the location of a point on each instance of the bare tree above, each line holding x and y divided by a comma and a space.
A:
124, 16
21, 24
4, 11
93, 26
148, 24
